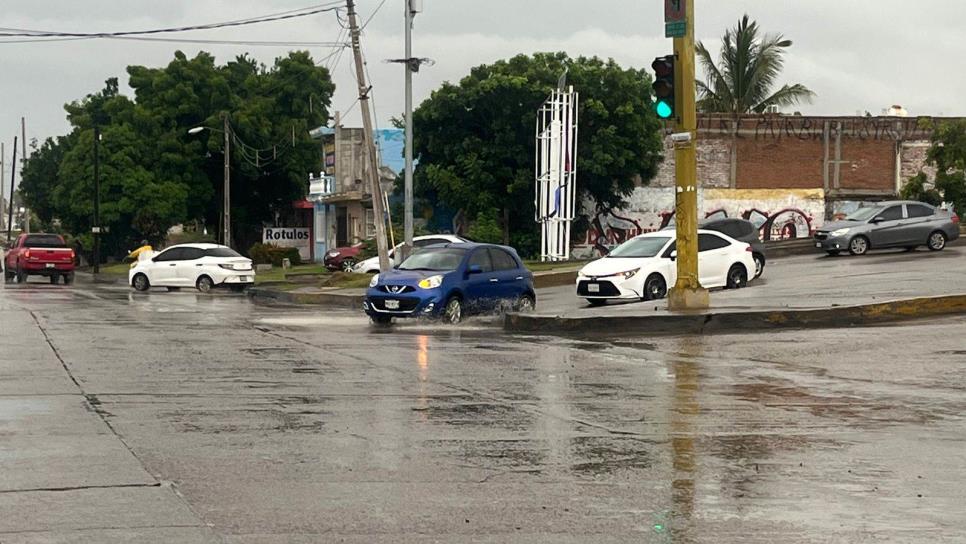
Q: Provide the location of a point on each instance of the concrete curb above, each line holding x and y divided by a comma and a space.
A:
333, 300
744, 321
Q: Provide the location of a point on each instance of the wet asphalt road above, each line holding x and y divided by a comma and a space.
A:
175, 417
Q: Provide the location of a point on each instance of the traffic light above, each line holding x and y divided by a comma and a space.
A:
664, 86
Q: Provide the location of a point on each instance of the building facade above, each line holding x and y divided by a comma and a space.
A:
787, 174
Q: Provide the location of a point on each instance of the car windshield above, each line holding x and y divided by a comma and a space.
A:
221, 252
648, 246
863, 214
436, 259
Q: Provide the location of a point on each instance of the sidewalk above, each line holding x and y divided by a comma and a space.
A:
794, 292
65, 474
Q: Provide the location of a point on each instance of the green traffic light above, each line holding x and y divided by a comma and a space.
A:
664, 110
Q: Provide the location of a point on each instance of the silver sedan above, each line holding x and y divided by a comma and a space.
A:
889, 224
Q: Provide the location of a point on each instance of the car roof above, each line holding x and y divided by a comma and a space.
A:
198, 246
470, 245
665, 234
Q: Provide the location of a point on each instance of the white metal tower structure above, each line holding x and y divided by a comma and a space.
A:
556, 173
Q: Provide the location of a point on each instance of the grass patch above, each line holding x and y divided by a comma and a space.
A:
346, 280
540, 266
115, 269
278, 273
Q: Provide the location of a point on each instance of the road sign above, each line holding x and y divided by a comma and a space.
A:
675, 18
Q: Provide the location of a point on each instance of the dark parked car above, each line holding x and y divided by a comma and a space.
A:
451, 281
342, 258
889, 224
741, 230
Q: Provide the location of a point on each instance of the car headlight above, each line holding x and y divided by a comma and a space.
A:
374, 281
431, 282
840, 232
630, 273
332, 254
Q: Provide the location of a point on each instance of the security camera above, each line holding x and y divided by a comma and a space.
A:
681, 137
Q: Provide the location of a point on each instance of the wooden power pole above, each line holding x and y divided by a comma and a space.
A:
369, 142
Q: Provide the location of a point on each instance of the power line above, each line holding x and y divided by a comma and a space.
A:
27, 33
365, 24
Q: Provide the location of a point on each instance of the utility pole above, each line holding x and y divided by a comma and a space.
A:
367, 138
96, 230
408, 175
23, 143
226, 205
687, 294
13, 175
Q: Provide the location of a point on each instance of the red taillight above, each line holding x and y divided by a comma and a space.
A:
955, 219
72, 255
26, 254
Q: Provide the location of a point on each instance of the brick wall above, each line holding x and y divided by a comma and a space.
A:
914, 160
871, 164
771, 163
714, 164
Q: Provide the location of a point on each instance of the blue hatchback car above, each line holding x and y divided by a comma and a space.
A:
451, 281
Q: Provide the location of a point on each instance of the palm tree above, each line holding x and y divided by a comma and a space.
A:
743, 79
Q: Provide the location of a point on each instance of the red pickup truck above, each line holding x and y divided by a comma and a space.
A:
39, 255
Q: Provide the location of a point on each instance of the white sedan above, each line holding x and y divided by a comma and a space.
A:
643, 267
202, 266
371, 265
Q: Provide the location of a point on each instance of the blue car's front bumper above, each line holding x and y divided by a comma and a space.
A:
419, 303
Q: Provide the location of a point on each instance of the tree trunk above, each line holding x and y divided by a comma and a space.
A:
506, 226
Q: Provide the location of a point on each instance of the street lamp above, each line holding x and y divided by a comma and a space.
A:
226, 205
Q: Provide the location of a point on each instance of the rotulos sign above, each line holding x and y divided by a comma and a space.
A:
298, 237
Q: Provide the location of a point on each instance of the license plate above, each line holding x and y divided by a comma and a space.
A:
593, 288
818, 244
244, 278
392, 304
50, 265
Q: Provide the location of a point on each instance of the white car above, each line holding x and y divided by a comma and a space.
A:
371, 265
202, 266
645, 266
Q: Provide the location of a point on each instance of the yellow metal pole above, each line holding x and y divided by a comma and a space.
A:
687, 293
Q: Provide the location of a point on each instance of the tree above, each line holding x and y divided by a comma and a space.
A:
746, 73
475, 140
948, 154
40, 176
915, 189
155, 175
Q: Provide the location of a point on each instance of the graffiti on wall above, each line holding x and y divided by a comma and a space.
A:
778, 215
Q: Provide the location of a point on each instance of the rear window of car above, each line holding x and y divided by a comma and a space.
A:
44, 240
221, 252
918, 210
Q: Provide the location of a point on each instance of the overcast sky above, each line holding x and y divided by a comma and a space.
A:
857, 55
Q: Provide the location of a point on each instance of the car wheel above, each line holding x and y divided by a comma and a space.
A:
54, 279
937, 241
68, 278
347, 265
381, 319
737, 277
526, 304
759, 264
140, 283
833, 253
654, 287
859, 245
596, 301
174, 289
453, 312
204, 284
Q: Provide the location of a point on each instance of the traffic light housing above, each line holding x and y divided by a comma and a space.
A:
664, 87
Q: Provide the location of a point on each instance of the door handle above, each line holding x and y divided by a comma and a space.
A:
519, 277
172, 264
494, 280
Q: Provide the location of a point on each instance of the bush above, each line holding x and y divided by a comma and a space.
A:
486, 229
273, 255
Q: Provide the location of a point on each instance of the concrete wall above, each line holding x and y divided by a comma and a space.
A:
779, 214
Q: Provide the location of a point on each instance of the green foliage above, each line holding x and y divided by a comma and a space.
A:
747, 72
475, 140
915, 189
271, 254
948, 155
154, 174
486, 228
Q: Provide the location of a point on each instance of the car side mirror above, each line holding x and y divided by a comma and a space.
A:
878, 219
474, 269
674, 255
